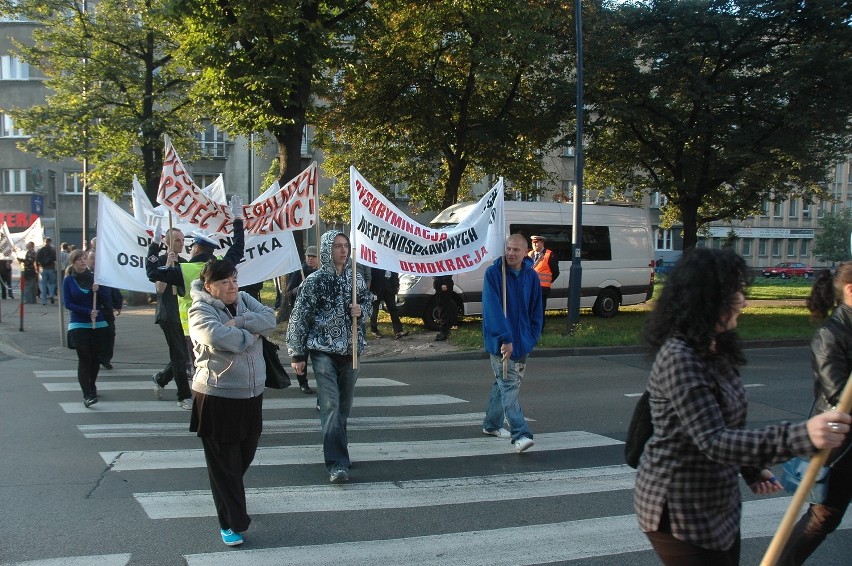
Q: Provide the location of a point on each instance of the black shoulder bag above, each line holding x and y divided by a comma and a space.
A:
276, 377
640, 430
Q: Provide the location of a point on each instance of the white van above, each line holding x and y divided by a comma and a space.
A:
617, 259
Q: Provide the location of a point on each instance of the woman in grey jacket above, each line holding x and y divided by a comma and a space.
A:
226, 326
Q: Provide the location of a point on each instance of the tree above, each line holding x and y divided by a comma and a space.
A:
114, 89
719, 104
832, 242
259, 64
441, 94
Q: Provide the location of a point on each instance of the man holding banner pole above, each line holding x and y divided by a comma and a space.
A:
321, 327
511, 327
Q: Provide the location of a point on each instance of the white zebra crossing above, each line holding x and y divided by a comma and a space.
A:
55, 387
541, 544
396, 495
301, 402
128, 460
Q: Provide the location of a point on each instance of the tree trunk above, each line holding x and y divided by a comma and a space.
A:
689, 214
451, 190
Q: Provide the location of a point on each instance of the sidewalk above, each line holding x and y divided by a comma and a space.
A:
140, 342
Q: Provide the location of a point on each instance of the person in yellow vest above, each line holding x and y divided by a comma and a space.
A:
546, 264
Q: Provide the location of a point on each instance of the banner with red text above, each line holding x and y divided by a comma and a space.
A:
291, 207
384, 237
123, 243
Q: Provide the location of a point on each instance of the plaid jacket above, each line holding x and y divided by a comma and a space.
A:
691, 462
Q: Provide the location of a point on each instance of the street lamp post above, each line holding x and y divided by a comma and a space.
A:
576, 277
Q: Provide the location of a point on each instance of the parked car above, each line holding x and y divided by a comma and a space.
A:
789, 269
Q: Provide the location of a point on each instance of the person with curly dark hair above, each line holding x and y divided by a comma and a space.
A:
831, 359
686, 497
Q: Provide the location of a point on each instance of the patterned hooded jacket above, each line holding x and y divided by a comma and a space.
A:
320, 319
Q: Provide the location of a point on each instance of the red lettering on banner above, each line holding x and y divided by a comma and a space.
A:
368, 255
17, 219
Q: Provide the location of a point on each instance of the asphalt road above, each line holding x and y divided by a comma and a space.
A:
122, 484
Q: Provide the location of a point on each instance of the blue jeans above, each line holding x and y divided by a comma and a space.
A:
48, 284
335, 390
504, 399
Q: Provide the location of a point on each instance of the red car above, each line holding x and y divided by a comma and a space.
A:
789, 269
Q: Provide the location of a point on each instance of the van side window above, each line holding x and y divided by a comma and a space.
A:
596, 241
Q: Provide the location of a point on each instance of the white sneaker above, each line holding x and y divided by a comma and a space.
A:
185, 404
523, 443
158, 389
499, 433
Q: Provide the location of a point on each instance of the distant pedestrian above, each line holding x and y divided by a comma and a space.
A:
443, 285
29, 273
64, 250
384, 285
46, 259
546, 264
164, 271
510, 337
294, 286
111, 310
87, 327
321, 327
6, 278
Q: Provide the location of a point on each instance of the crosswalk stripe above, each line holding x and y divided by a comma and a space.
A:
360, 452
147, 384
542, 544
301, 402
72, 373
100, 560
396, 495
163, 430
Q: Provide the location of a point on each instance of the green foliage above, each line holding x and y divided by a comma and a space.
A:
441, 94
260, 63
832, 242
114, 90
719, 105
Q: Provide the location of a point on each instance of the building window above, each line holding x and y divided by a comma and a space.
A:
203, 180
665, 240
13, 69
764, 208
73, 182
15, 180
776, 209
763, 247
806, 211
746, 248
568, 151
212, 143
791, 248
776, 248
7, 127
804, 248
306, 143
794, 208
658, 200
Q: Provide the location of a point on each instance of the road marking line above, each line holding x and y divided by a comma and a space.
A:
361, 452
163, 430
72, 373
301, 402
542, 544
99, 559
396, 495
147, 384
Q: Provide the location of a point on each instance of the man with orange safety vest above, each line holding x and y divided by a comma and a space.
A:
546, 264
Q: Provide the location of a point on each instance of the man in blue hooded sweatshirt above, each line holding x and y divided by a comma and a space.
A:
510, 336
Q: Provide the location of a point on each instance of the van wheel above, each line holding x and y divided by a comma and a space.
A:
606, 304
435, 313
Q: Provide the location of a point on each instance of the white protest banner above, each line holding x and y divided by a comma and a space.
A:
123, 243
6, 248
34, 234
388, 239
149, 215
293, 207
